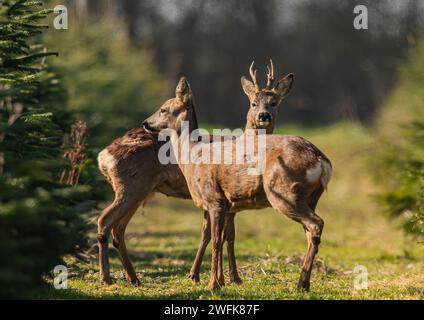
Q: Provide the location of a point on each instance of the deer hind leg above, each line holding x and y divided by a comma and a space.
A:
314, 197
230, 238
204, 241
118, 235
313, 225
122, 206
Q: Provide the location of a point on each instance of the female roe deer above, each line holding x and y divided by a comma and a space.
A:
295, 175
131, 166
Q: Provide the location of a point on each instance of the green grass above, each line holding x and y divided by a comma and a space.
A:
162, 239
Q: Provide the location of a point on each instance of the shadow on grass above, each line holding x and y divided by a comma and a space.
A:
177, 263
160, 234
71, 294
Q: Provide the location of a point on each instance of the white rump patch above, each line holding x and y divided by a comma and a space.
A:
322, 171
326, 174
314, 173
106, 160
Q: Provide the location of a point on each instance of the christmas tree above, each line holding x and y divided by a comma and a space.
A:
42, 206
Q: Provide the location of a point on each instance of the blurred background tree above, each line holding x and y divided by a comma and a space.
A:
41, 218
404, 198
110, 84
120, 59
115, 50
341, 73
400, 167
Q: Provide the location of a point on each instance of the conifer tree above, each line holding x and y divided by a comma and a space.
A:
41, 218
403, 155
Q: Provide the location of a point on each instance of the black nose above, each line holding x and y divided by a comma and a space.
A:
146, 125
264, 116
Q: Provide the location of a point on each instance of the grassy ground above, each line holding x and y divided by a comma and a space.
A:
163, 237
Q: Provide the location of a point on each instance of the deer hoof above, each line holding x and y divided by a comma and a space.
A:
195, 279
236, 279
106, 281
131, 277
214, 285
303, 285
134, 281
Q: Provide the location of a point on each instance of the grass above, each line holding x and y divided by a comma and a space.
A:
162, 239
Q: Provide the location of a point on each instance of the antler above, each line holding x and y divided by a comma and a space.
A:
270, 75
253, 75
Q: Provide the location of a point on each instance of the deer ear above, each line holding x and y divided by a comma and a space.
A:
248, 86
284, 85
183, 91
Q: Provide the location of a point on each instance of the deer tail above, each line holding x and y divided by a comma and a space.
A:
105, 162
327, 172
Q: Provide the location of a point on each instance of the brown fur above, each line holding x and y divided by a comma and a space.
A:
132, 141
135, 173
290, 183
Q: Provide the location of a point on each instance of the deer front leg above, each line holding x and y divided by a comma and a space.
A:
204, 241
221, 278
230, 238
217, 225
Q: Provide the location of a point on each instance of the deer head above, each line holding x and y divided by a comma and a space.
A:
174, 111
264, 102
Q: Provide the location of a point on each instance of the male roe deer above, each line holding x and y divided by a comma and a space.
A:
262, 114
295, 175
131, 166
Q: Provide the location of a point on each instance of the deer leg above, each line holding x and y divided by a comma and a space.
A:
230, 238
299, 211
217, 224
118, 235
313, 226
314, 197
103, 240
221, 278
204, 241
110, 216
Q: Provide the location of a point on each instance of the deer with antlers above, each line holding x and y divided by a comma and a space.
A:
295, 174
261, 115
131, 167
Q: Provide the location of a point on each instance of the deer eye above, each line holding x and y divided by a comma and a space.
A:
162, 111
254, 105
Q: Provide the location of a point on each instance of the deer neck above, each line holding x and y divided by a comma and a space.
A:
180, 140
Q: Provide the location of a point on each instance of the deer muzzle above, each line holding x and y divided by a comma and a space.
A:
264, 119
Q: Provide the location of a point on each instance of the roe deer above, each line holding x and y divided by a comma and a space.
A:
262, 114
131, 166
295, 174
